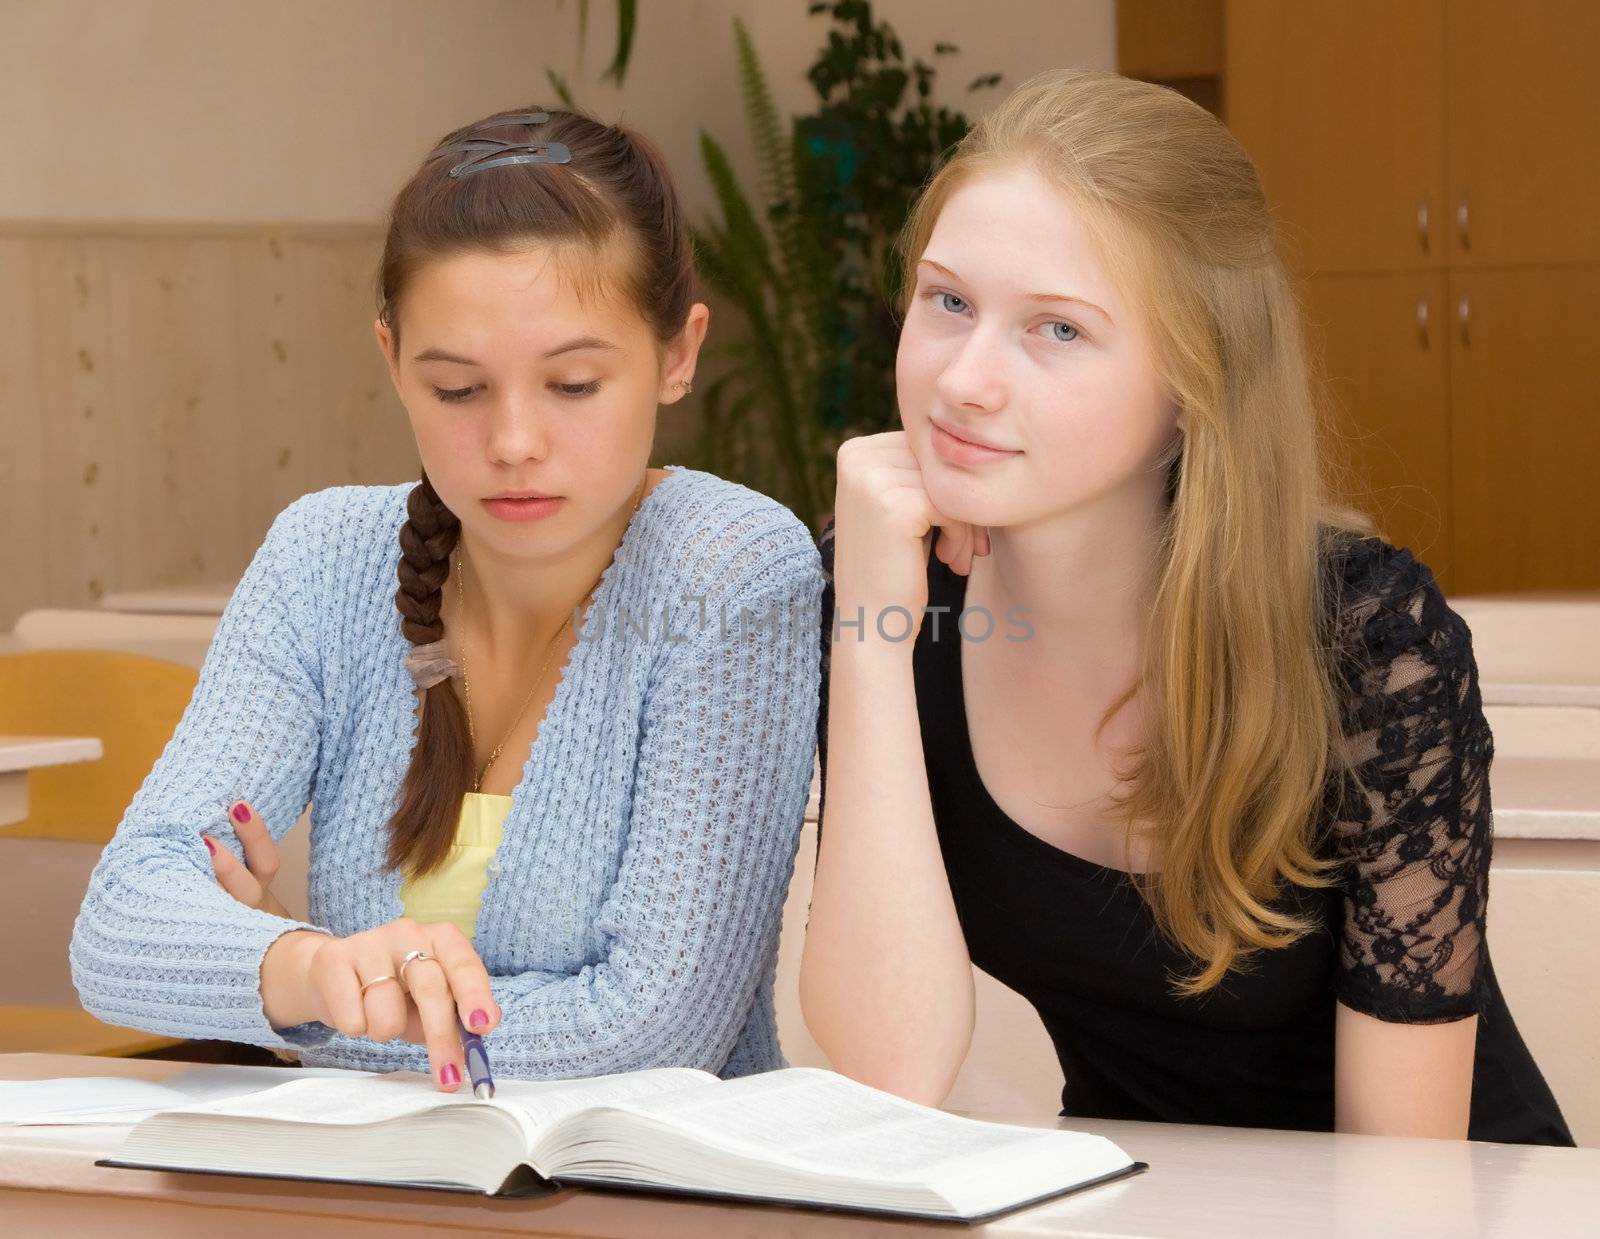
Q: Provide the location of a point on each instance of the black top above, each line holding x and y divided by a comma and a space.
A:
1403, 930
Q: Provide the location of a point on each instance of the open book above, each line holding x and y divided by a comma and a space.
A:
798, 1136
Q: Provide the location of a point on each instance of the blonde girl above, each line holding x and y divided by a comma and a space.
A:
1159, 736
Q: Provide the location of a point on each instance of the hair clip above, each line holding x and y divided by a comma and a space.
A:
469, 144
431, 663
545, 152
520, 118
484, 151
478, 144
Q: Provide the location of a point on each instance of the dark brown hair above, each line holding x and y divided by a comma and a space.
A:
615, 196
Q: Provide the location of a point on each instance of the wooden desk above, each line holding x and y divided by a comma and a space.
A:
1545, 797
1505, 693
1203, 1181
206, 599
19, 754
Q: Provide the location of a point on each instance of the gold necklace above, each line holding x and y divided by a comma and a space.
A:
466, 682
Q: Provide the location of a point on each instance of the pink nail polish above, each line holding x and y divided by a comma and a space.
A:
210, 846
450, 1076
479, 1020
240, 813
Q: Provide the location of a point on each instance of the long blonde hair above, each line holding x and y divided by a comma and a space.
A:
1241, 680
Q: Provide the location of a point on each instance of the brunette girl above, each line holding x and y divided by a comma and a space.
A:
557, 778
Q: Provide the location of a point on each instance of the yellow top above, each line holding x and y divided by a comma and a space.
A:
453, 891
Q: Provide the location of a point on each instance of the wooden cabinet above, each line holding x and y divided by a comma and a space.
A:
1341, 107
1523, 131
1383, 352
1432, 166
1177, 43
1169, 40
1525, 427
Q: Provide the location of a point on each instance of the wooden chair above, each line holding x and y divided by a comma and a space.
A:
132, 703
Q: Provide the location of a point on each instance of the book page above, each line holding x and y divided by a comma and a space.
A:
395, 1128
397, 1094
828, 1123
373, 1099
544, 1102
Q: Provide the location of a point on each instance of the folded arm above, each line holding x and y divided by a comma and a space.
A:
158, 945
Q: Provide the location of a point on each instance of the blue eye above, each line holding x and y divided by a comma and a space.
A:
954, 309
1065, 327
453, 395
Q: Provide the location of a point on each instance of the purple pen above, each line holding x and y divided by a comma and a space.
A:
477, 1063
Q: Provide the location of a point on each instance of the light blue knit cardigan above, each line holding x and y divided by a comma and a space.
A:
632, 912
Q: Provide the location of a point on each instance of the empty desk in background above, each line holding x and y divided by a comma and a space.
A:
1554, 798
1544, 907
19, 754
204, 599
1535, 649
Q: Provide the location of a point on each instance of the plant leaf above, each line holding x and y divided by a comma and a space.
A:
627, 26
559, 85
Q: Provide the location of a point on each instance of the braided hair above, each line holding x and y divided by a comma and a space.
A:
430, 796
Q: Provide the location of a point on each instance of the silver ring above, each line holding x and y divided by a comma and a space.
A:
366, 985
411, 958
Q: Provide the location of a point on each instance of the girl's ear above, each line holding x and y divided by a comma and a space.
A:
681, 356
386, 344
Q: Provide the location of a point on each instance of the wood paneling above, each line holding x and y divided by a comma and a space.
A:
1382, 348
1524, 131
1160, 40
1358, 113
164, 391
1342, 108
1526, 428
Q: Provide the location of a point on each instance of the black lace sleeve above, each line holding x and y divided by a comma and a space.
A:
825, 548
1416, 843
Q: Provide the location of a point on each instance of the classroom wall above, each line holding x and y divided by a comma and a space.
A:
299, 111
292, 111
191, 216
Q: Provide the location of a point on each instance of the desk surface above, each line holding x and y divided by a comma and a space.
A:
1506, 693
1545, 797
31, 752
1203, 1181
20, 754
203, 599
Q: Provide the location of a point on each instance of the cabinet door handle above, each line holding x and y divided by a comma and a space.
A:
1422, 225
1464, 317
1422, 321
1462, 223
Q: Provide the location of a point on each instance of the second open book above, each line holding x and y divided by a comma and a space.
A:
798, 1136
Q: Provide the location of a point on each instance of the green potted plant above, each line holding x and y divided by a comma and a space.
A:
807, 262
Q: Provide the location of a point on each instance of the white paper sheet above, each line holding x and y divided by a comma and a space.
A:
96, 1100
